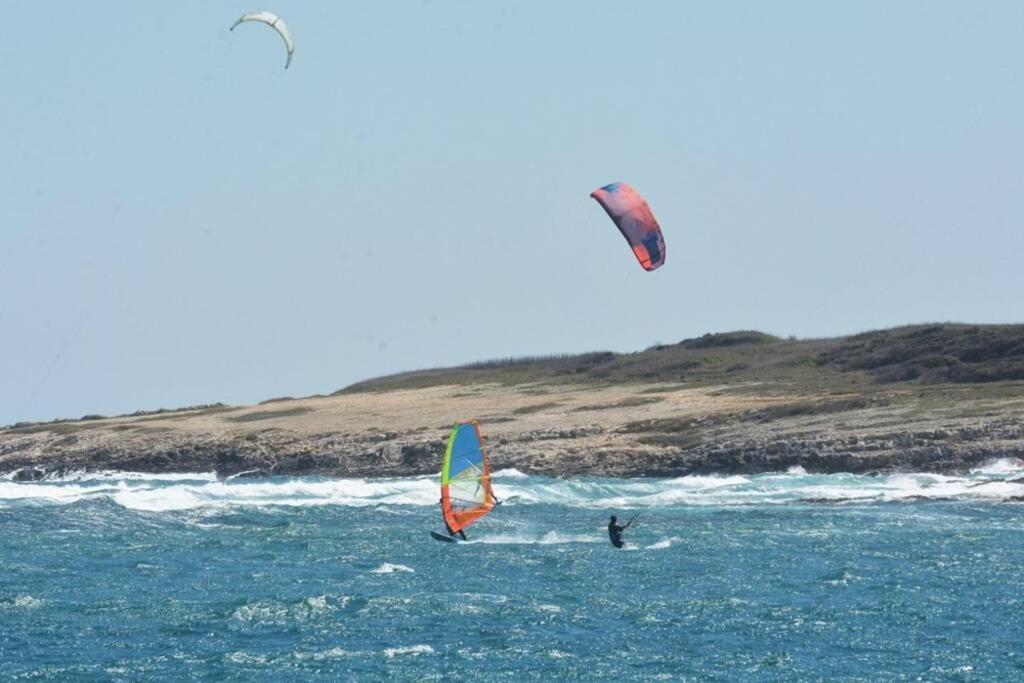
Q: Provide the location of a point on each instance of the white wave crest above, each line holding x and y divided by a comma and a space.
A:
21, 602
117, 475
170, 493
549, 538
388, 568
510, 473
1001, 466
413, 650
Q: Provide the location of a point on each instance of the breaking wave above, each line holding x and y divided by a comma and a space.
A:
388, 568
996, 481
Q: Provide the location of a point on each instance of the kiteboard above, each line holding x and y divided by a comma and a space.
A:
443, 537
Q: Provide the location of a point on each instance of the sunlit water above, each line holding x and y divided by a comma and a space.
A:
181, 576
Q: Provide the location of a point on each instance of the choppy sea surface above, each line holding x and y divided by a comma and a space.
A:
783, 576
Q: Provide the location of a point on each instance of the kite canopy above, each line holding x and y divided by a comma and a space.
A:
465, 477
636, 222
274, 22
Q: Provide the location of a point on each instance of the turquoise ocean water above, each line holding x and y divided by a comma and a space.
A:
133, 577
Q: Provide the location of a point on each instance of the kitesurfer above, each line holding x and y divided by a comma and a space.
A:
615, 531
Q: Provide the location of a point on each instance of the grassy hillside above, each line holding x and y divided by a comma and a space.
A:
931, 354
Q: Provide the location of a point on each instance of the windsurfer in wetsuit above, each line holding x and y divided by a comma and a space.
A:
451, 533
448, 528
615, 531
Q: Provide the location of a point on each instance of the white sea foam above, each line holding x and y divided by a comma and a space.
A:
549, 538
21, 602
262, 612
170, 493
240, 657
1001, 466
117, 475
317, 604
388, 568
413, 650
510, 473
332, 653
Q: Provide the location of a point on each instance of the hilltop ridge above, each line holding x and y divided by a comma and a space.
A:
934, 353
928, 397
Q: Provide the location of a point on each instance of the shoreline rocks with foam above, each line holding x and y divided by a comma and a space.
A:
744, 448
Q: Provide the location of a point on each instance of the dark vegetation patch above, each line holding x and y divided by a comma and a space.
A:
154, 430
668, 389
738, 338
631, 402
55, 427
268, 414
535, 408
770, 413
200, 408
691, 431
507, 371
137, 427
710, 358
780, 411
934, 354
563, 359
279, 399
676, 425
62, 425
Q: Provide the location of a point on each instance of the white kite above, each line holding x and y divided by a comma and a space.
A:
274, 22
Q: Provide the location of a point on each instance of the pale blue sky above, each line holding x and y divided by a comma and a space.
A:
184, 221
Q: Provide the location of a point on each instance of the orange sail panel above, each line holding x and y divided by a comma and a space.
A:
465, 477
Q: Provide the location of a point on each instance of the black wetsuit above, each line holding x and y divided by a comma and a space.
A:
451, 533
615, 534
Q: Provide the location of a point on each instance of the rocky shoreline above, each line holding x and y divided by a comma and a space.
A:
639, 430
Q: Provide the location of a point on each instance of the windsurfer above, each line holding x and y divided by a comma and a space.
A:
615, 531
448, 527
466, 494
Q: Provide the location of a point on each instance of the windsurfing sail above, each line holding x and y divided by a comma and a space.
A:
635, 221
465, 477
